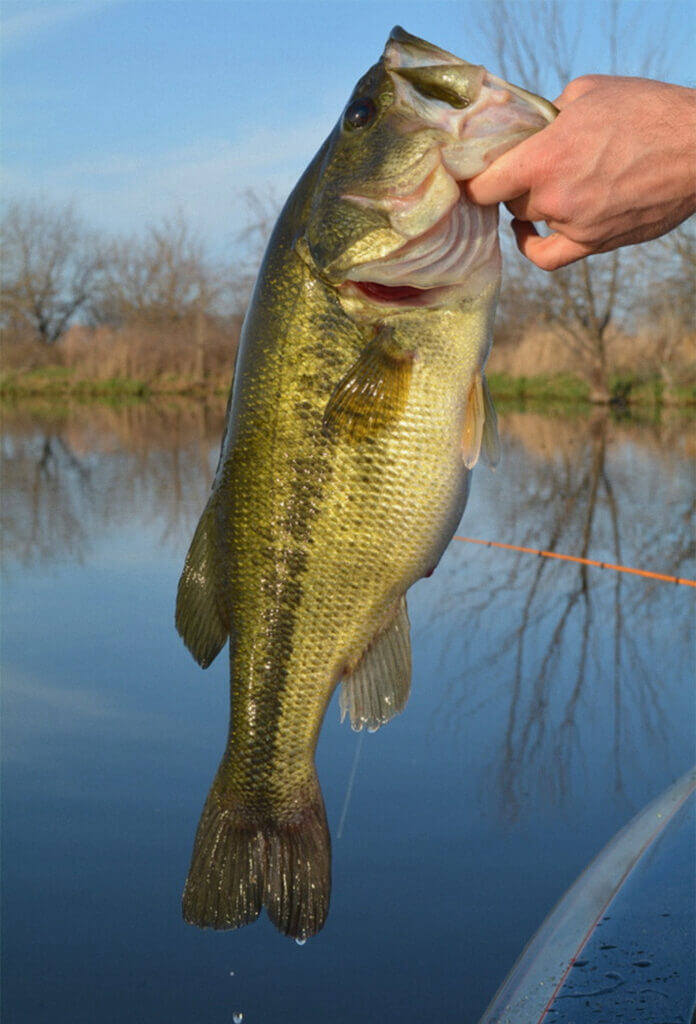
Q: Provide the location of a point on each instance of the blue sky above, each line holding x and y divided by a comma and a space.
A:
136, 110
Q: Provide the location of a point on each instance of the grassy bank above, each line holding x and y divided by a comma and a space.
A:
568, 390
59, 382
557, 391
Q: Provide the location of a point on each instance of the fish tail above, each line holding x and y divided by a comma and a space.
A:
244, 860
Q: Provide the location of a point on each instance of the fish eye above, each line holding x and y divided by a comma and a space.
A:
360, 113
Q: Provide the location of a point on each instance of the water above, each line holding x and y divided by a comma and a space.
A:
549, 703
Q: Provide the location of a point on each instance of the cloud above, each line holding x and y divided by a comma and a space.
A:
30, 20
33, 709
121, 191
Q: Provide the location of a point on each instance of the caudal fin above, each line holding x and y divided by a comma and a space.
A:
242, 862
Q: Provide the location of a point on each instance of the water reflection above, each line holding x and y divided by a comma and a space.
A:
72, 473
562, 638
615, 492
539, 690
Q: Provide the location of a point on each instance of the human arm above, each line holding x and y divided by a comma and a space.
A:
616, 167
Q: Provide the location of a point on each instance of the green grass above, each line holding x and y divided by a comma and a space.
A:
568, 391
561, 393
56, 381
542, 388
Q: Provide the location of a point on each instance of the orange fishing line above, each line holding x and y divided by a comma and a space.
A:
583, 561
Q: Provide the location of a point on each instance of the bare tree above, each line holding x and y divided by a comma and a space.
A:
50, 269
670, 310
585, 301
164, 276
575, 638
262, 209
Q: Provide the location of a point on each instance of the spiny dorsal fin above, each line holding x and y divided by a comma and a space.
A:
372, 395
379, 686
198, 618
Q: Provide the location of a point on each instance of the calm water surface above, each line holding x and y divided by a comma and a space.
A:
549, 703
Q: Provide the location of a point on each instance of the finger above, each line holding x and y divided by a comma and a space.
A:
549, 252
523, 209
506, 178
575, 89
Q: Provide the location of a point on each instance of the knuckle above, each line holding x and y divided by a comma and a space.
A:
581, 85
557, 205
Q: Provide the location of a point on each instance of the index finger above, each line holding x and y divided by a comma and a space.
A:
508, 177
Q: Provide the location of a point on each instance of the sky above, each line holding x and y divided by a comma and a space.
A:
137, 110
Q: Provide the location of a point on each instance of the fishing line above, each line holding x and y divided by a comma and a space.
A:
351, 780
583, 561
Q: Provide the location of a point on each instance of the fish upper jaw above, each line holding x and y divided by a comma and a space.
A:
481, 114
404, 233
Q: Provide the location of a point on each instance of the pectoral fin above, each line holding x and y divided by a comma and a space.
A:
480, 433
198, 618
372, 395
379, 686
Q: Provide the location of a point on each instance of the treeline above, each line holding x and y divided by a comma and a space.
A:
627, 314
159, 309
154, 307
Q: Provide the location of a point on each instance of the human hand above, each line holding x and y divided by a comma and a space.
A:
616, 167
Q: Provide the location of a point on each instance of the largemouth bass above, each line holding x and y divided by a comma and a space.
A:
358, 409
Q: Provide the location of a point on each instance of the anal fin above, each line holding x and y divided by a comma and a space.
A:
379, 686
198, 618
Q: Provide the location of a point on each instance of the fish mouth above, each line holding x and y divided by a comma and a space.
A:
444, 242
393, 295
482, 114
461, 240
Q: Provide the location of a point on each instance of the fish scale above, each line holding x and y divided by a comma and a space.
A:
354, 420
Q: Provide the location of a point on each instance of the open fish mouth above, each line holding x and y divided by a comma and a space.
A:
394, 295
460, 241
476, 116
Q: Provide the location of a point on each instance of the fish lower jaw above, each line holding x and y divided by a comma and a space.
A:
454, 249
364, 298
398, 296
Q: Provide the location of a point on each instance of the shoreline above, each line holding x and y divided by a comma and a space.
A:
625, 390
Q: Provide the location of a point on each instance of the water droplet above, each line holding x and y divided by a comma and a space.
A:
238, 1017
300, 942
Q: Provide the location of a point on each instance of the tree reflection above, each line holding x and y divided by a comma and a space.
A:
73, 474
571, 642
53, 479
560, 653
